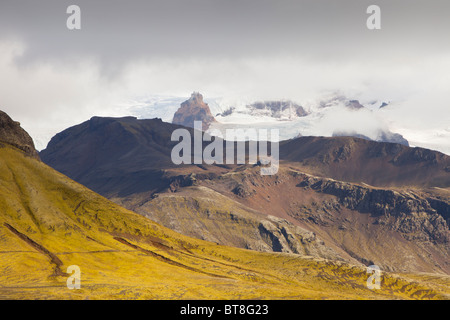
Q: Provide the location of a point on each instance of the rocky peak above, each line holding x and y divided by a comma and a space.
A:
196, 97
277, 109
194, 109
12, 133
354, 104
341, 100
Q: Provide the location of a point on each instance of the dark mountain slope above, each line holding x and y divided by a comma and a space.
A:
113, 155
126, 155
376, 163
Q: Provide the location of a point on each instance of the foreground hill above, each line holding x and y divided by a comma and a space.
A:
48, 222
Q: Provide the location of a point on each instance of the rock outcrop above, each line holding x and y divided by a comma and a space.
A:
415, 217
354, 104
194, 109
12, 133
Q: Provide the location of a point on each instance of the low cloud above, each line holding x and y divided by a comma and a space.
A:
47, 96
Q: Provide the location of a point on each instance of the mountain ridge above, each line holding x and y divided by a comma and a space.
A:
357, 165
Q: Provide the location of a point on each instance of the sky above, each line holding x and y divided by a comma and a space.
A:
52, 77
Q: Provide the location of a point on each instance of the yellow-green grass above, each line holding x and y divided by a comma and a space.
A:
49, 222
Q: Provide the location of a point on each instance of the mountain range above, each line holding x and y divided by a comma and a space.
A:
255, 248
355, 200
291, 119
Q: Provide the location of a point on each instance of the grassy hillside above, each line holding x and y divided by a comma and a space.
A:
48, 222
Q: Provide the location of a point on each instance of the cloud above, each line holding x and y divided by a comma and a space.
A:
53, 78
48, 97
340, 119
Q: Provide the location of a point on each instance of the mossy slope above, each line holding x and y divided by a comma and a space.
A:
48, 222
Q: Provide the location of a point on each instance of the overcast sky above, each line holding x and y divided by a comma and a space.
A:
52, 77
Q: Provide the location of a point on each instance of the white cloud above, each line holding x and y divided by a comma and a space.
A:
47, 97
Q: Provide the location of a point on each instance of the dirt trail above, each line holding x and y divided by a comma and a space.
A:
53, 258
165, 259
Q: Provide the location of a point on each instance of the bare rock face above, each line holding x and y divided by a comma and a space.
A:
12, 133
354, 104
277, 109
416, 218
192, 110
